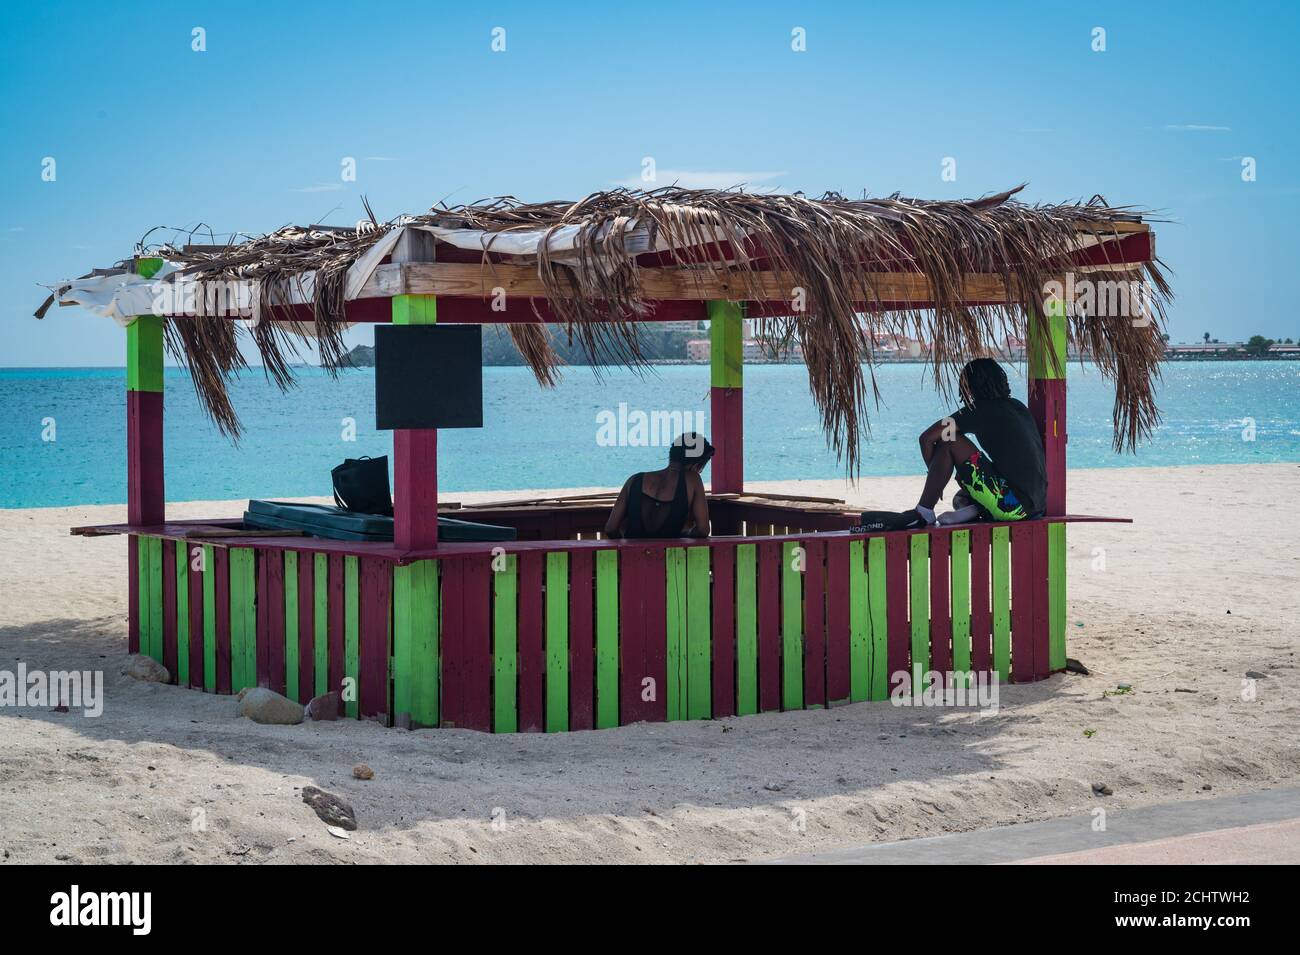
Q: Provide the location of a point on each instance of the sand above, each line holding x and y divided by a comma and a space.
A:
1202, 589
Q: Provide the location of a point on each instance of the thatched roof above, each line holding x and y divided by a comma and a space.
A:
592, 258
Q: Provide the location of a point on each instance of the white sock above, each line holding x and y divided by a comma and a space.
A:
927, 513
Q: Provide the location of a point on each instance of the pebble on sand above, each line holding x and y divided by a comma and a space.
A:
363, 771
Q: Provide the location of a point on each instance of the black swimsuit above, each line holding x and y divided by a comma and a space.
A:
650, 517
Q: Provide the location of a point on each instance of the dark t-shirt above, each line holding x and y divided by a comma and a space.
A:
1008, 432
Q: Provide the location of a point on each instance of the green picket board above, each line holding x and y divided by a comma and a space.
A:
791, 626
352, 636
291, 687
181, 567
675, 654
919, 593
505, 646
746, 629
878, 618
1056, 595
859, 625
415, 642
1002, 602
960, 579
209, 620
320, 623
699, 629
557, 642
606, 639
243, 618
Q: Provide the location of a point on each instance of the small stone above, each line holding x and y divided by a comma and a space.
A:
337, 833
332, 810
773, 787
263, 705
147, 669
1256, 675
324, 708
1101, 789
1124, 686
1206, 788
363, 771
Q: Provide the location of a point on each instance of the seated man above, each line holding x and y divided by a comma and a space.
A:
1012, 486
667, 503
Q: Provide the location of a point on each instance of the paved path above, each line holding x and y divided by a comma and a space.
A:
1252, 828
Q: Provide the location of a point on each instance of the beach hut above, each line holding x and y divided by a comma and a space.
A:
783, 608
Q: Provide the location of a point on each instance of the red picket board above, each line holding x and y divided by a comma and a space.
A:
133, 594
769, 626
531, 643
724, 631
478, 644
169, 608
376, 588
981, 613
898, 651
837, 621
582, 642
1022, 603
194, 579
335, 624
940, 604
814, 623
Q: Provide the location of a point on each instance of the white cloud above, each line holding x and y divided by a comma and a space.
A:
1197, 128
323, 187
697, 179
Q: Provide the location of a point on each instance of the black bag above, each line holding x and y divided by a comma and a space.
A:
361, 485
883, 521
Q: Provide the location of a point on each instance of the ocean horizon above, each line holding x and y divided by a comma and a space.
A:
63, 430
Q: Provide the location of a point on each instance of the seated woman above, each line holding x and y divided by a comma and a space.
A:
667, 503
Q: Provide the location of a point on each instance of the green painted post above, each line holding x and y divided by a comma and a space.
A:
879, 618
1056, 582
320, 623
919, 572
1002, 602
792, 558
291, 687
961, 645
606, 639
181, 570
557, 642
699, 629
859, 625
746, 629
505, 646
209, 620
675, 694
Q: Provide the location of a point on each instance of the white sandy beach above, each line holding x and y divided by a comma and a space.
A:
1202, 589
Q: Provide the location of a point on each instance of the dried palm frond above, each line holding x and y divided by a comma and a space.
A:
821, 252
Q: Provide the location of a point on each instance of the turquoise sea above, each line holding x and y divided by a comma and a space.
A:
63, 431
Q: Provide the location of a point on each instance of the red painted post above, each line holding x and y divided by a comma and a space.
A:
726, 361
415, 452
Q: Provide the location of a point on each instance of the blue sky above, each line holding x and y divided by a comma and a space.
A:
251, 134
